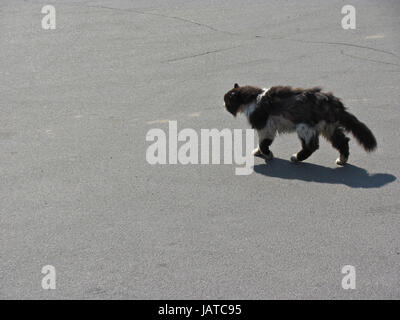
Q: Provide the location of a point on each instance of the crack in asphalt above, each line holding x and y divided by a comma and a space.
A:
341, 44
167, 17
366, 59
189, 21
199, 54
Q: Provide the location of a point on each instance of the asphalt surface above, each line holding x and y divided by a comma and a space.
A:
77, 193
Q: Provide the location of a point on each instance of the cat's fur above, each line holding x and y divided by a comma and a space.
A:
309, 112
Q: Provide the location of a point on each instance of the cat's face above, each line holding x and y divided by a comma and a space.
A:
233, 100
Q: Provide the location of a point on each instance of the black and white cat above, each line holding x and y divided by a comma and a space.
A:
309, 112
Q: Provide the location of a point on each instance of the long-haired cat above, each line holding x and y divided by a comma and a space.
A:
309, 112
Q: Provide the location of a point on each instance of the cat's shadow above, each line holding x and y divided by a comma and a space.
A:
349, 175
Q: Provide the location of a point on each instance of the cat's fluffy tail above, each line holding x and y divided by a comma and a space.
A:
360, 131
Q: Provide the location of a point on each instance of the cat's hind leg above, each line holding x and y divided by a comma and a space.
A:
341, 143
309, 138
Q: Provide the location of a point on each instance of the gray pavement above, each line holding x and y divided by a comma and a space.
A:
76, 191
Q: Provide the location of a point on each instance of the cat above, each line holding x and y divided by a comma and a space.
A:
309, 112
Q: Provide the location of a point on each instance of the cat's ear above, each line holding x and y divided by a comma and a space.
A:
236, 86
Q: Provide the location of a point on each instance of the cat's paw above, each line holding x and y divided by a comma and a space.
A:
293, 158
341, 161
257, 153
269, 156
